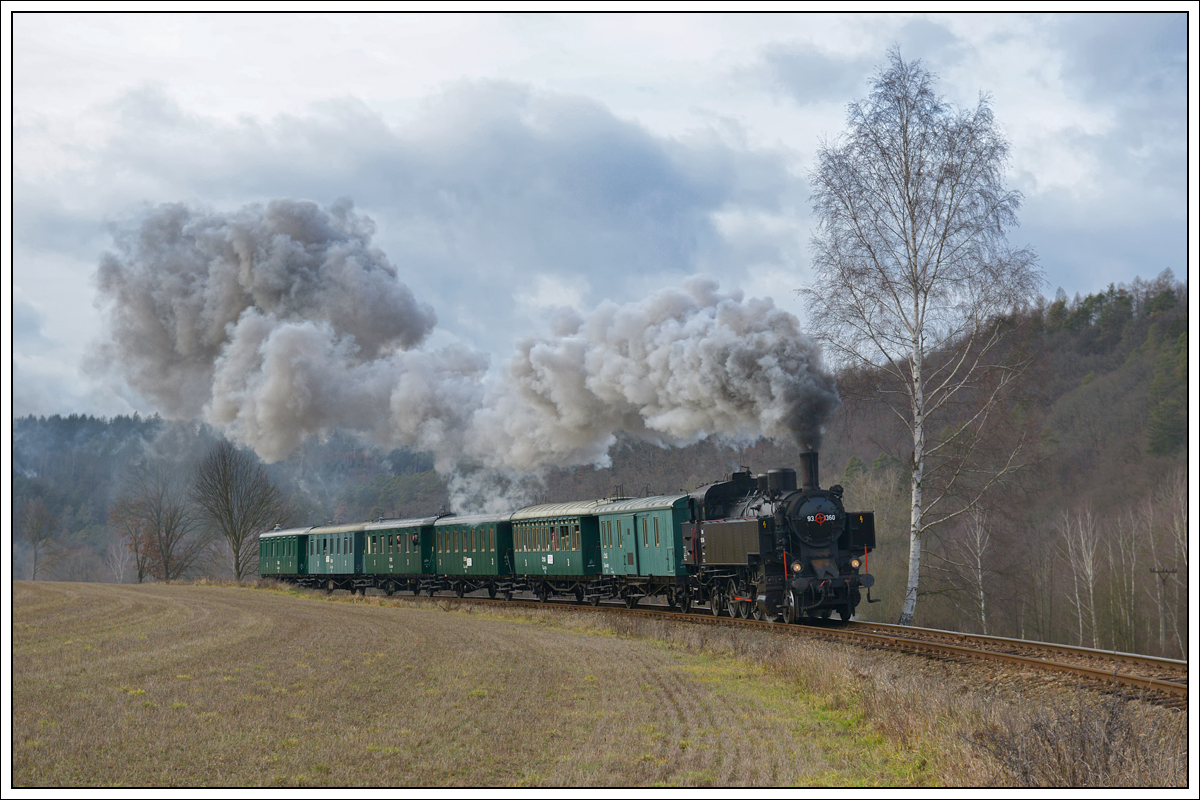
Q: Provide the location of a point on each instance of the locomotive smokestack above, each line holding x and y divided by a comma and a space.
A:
810, 477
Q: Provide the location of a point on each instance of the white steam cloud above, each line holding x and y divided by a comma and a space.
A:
283, 322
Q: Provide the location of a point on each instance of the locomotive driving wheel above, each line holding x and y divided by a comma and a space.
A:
716, 601
790, 614
738, 609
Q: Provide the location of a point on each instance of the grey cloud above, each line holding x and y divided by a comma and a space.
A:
1135, 67
485, 185
809, 76
27, 324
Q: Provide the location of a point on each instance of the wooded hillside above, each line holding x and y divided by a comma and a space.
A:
1086, 543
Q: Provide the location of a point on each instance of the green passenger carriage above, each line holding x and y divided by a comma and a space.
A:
283, 553
556, 549
471, 552
398, 554
335, 556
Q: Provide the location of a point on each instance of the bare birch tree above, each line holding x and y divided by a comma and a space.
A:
912, 269
238, 500
1081, 538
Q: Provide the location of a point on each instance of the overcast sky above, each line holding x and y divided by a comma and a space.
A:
517, 165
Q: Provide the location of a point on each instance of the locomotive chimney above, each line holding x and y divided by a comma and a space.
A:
809, 475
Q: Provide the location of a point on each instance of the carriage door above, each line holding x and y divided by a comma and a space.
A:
627, 555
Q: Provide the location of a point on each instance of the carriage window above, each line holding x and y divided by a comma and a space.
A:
645, 534
575, 538
656, 532
492, 539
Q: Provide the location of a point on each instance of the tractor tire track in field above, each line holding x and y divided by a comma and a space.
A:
175, 685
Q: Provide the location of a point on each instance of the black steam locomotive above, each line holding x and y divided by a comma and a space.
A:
745, 547
766, 548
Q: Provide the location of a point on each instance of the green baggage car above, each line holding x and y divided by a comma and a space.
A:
641, 545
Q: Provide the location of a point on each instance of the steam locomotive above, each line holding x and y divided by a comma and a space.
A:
747, 546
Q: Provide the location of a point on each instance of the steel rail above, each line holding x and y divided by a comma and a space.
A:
894, 641
1033, 644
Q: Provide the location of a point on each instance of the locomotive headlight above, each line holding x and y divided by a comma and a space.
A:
796, 567
854, 563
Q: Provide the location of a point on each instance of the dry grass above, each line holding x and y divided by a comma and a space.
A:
223, 686
210, 686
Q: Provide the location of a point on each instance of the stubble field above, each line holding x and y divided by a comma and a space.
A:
177, 685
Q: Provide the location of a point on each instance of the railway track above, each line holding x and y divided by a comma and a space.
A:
1158, 680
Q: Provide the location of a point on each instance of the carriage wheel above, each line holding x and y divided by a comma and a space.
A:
389, 588
672, 600
492, 591
579, 595
543, 593
329, 587
507, 595
459, 589
685, 602
594, 600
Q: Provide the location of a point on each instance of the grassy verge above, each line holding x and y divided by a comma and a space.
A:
218, 686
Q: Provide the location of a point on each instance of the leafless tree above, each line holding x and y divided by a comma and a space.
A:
116, 558
238, 499
154, 513
39, 528
1081, 539
912, 270
126, 519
